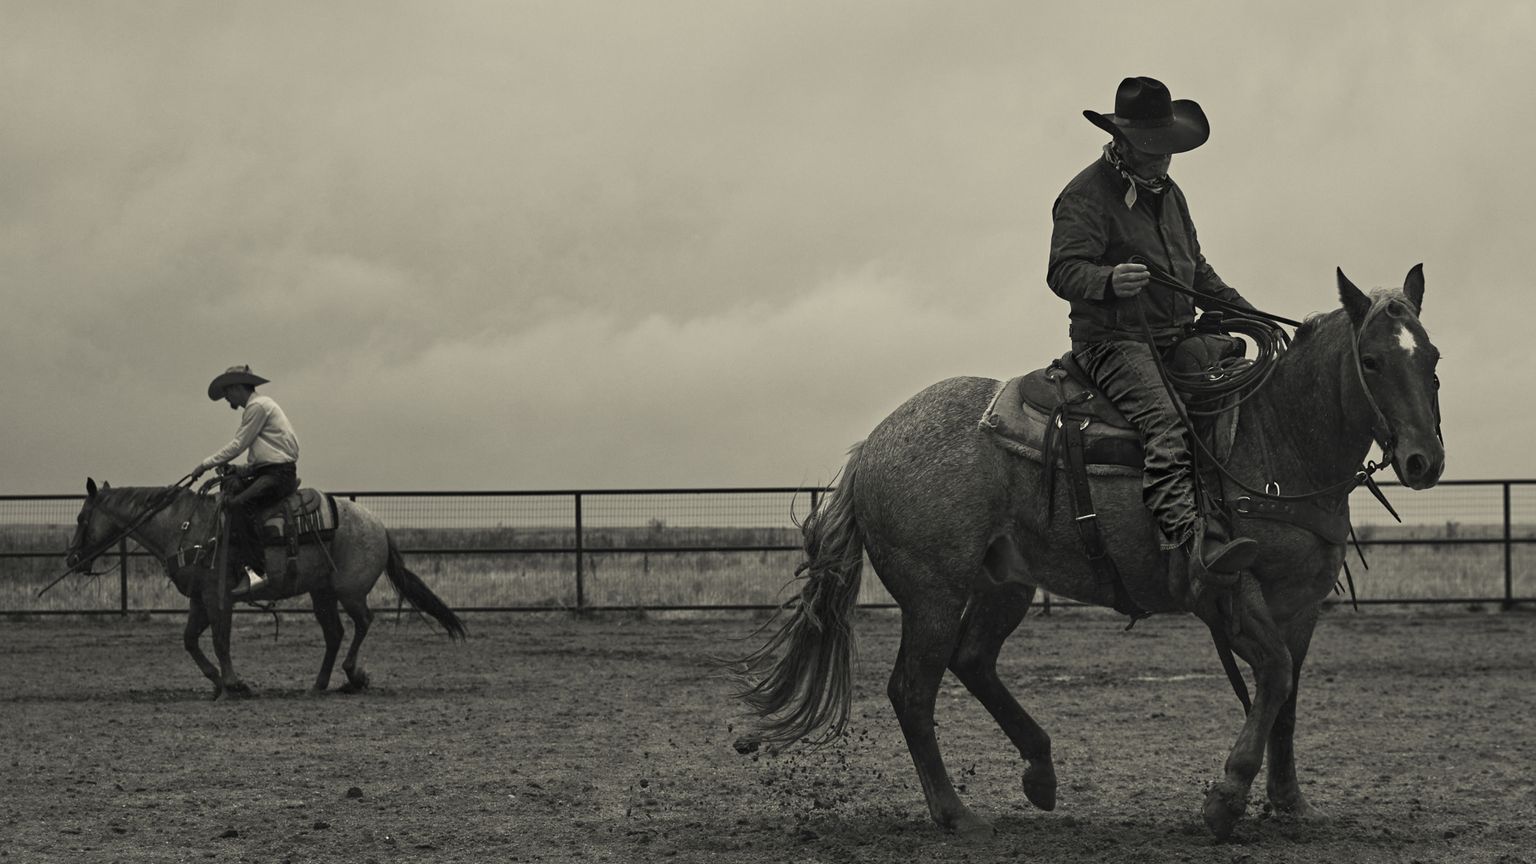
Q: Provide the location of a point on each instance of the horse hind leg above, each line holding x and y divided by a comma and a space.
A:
324, 603
929, 631
989, 620
362, 616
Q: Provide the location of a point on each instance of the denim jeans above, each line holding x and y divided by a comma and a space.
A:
1127, 373
268, 484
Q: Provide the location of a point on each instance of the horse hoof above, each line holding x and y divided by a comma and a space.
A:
1040, 784
971, 828
238, 690
1224, 805
1298, 810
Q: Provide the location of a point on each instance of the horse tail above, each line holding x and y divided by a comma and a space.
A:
809, 686
418, 594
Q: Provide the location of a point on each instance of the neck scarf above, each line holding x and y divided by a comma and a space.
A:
1157, 185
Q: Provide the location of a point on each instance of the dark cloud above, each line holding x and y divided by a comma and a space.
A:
605, 244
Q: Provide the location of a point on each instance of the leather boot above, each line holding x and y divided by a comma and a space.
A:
249, 584
1215, 561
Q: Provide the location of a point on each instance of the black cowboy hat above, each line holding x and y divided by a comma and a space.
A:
233, 375
1151, 121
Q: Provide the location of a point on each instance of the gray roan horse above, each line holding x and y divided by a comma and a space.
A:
360, 551
956, 530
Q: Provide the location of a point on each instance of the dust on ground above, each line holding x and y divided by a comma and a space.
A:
550, 738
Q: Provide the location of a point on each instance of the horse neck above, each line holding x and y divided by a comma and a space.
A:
159, 534
1313, 424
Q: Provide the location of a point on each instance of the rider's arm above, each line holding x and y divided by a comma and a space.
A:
251, 422
1206, 280
1078, 244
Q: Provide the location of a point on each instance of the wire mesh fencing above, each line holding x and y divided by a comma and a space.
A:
724, 548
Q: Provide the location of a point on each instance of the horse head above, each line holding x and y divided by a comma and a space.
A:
88, 533
1395, 363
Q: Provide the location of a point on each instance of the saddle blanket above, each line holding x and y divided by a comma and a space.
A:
1025, 406
314, 518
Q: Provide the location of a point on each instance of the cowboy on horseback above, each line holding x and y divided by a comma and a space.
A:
269, 475
1124, 207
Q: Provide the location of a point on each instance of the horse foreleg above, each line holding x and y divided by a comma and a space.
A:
928, 637
1283, 790
324, 603
991, 618
220, 613
1260, 642
197, 622
362, 616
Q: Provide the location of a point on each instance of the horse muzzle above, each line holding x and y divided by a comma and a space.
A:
1420, 467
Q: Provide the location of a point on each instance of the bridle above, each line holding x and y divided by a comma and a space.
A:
77, 559
1381, 428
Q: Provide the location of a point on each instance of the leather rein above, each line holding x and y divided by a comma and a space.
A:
164, 498
1274, 505
1381, 429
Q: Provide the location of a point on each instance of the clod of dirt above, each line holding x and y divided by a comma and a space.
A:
320, 825
354, 792
229, 834
745, 745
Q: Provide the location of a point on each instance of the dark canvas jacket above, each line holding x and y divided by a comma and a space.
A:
1094, 230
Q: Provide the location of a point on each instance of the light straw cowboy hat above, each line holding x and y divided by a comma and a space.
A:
233, 375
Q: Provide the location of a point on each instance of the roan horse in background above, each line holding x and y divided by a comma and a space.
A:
341, 571
957, 530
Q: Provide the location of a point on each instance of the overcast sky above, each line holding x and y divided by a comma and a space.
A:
563, 244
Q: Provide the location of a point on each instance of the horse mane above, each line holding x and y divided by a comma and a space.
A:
133, 499
1317, 320
1312, 325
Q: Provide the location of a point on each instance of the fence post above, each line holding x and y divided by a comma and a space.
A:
815, 499
122, 575
1509, 565
581, 589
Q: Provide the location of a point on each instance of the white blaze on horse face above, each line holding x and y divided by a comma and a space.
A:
1407, 340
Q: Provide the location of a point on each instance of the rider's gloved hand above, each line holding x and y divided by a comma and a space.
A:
198, 471
1127, 280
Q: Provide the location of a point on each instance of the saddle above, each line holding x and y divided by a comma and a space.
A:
1057, 417
1030, 410
306, 516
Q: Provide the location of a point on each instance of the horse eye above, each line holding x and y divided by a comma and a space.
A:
1369, 363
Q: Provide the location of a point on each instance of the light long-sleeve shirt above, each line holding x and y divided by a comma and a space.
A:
264, 431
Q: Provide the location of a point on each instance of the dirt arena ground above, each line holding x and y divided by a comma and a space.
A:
546, 738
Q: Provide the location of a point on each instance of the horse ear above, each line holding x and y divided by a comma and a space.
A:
1413, 287
90, 487
1354, 300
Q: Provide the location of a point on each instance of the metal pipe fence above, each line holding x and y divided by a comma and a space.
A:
716, 549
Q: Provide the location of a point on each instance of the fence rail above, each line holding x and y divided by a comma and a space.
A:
1463, 542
